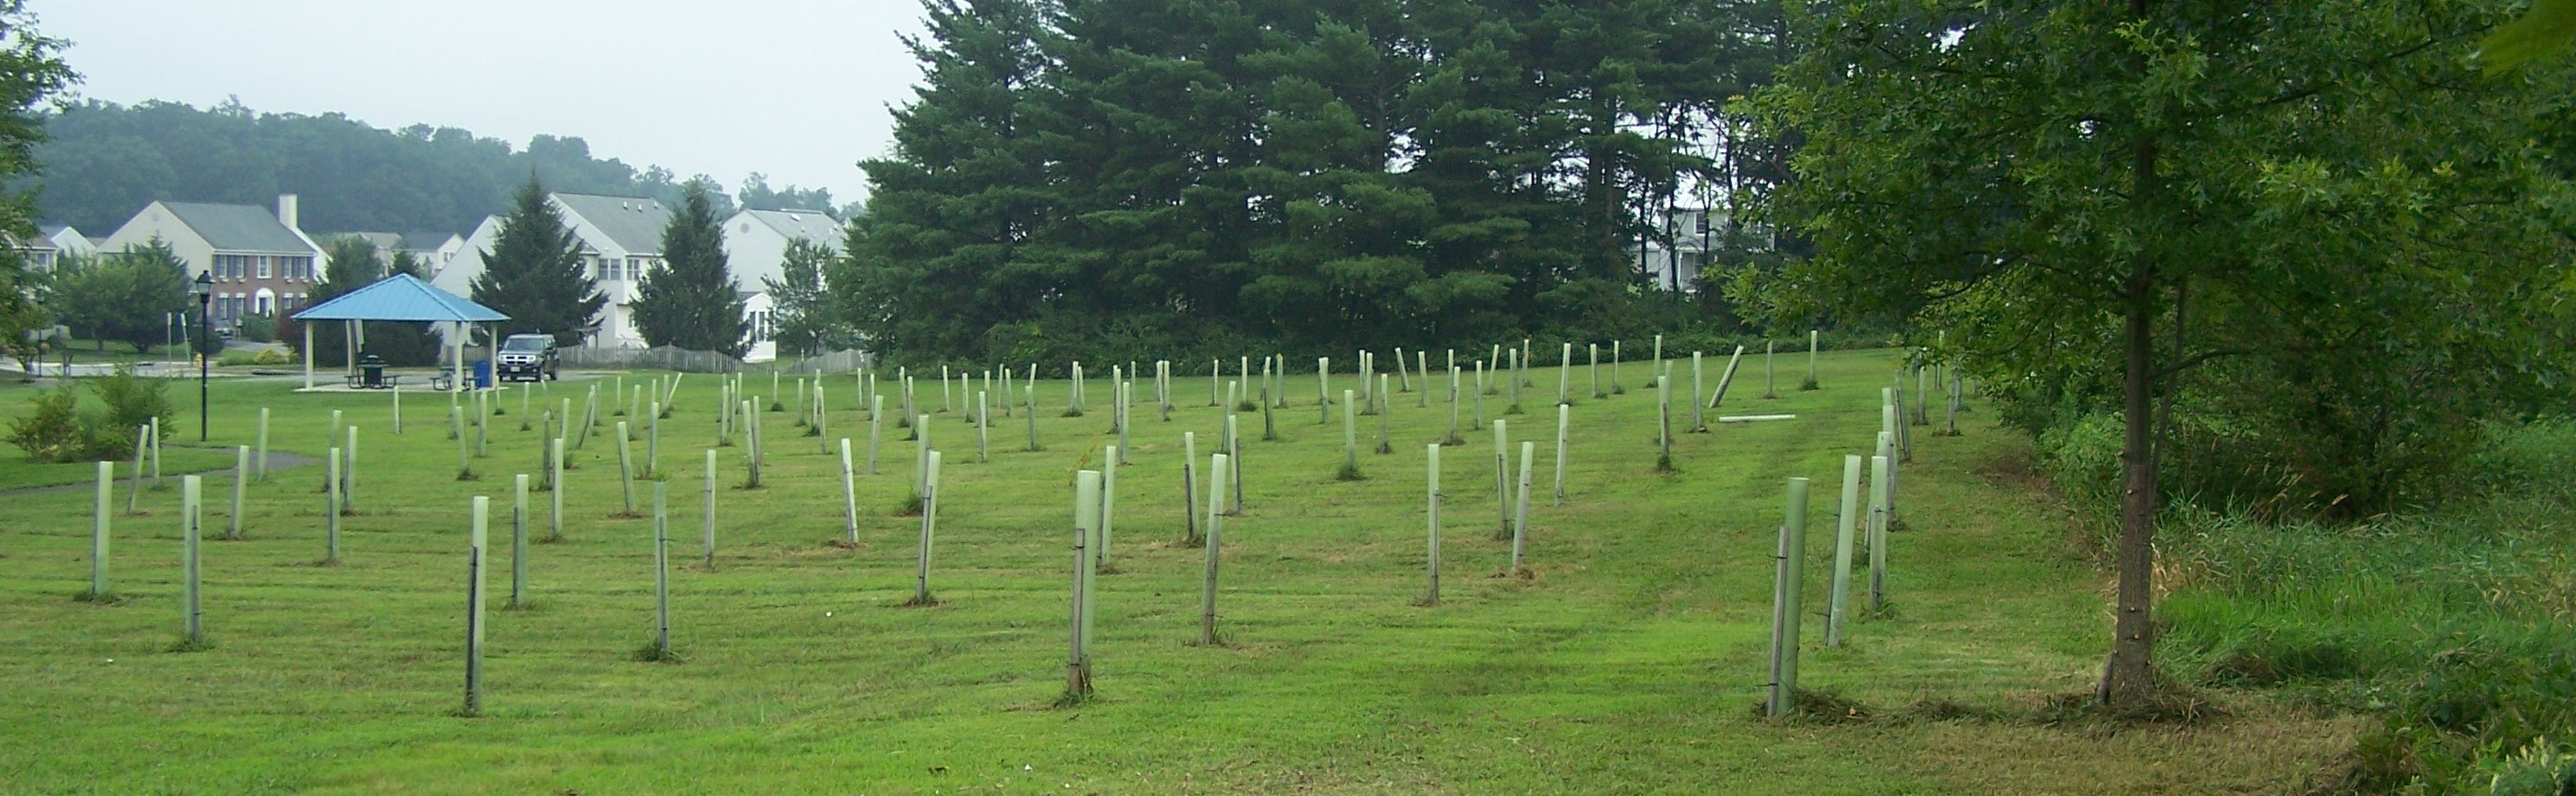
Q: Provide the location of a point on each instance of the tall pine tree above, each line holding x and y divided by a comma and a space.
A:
952, 210
534, 273
691, 301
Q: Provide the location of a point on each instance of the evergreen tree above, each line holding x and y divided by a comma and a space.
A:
965, 191
691, 302
801, 313
534, 273
1173, 175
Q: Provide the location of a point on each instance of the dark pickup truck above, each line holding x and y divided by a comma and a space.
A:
525, 357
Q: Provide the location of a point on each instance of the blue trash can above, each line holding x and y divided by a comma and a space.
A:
483, 374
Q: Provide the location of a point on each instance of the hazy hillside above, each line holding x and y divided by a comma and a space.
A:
106, 161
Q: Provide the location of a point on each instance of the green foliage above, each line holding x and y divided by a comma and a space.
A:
259, 328
2456, 623
32, 74
690, 301
55, 430
125, 297
804, 321
24, 318
1309, 178
51, 430
132, 401
534, 273
2542, 31
351, 263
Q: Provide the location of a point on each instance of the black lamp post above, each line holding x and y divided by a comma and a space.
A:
204, 288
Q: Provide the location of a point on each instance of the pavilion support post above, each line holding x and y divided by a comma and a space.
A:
308, 357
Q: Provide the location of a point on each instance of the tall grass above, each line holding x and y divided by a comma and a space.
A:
2457, 623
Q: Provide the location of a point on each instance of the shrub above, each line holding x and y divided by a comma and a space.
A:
52, 433
258, 329
272, 356
132, 401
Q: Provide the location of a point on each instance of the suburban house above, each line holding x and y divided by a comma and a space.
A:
621, 237
1694, 234
52, 243
435, 249
262, 264
755, 244
430, 249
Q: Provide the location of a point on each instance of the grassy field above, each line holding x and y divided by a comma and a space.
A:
1629, 662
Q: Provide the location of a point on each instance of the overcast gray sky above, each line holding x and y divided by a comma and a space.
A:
795, 89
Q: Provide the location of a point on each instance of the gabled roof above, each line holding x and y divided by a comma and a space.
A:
811, 225
425, 242
401, 297
633, 224
383, 241
238, 227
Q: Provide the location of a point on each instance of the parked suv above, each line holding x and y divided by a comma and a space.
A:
526, 357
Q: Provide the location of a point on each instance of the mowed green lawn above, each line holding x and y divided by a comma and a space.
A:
1628, 663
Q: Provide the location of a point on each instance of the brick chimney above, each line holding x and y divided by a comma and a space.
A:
286, 210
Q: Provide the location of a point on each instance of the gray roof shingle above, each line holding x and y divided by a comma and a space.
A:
808, 224
633, 224
241, 228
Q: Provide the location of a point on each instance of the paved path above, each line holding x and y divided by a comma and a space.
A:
277, 460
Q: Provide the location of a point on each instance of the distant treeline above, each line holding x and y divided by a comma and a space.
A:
106, 161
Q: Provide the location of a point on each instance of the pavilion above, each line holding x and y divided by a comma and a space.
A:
401, 297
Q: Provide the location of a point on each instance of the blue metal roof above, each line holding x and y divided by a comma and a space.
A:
401, 297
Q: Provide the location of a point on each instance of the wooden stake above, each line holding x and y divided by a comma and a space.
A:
1879, 468
1502, 480
849, 493
1564, 415
331, 511
518, 541
626, 469
929, 522
1218, 465
661, 573
1431, 508
1520, 517
474, 559
1189, 488
1108, 501
554, 530
241, 480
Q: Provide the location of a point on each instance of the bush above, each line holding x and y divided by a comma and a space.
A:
132, 401
2457, 624
258, 329
52, 433
272, 356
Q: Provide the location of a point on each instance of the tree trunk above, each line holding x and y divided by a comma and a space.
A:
2129, 679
